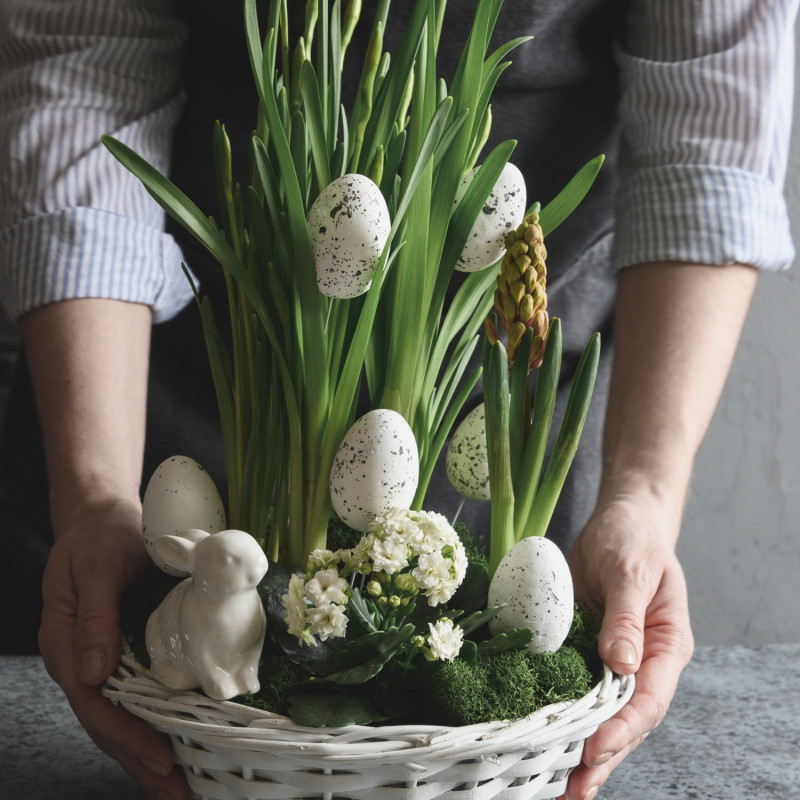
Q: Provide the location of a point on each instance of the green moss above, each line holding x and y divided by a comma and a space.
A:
340, 536
508, 685
473, 546
583, 637
278, 677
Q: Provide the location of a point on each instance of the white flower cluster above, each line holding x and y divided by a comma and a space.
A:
317, 607
400, 536
407, 552
445, 639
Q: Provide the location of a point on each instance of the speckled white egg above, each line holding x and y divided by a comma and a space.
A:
503, 211
348, 226
180, 496
534, 581
375, 469
466, 462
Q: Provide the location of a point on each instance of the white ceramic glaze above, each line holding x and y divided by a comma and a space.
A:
209, 630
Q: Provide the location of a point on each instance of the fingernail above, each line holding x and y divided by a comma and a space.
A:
92, 666
623, 652
592, 793
155, 768
601, 759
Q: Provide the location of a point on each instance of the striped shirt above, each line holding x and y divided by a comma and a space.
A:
705, 111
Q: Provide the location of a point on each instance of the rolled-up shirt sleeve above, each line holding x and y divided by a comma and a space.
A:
73, 222
706, 112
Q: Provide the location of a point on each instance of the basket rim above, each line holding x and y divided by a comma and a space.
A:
192, 714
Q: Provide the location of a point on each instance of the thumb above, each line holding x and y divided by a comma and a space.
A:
98, 639
621, 638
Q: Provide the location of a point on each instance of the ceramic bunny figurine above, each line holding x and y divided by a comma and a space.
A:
209, 630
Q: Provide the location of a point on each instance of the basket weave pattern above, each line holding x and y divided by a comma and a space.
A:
235, 752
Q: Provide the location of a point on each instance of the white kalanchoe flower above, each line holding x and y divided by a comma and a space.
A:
362, 551
322, 559
425, 535
389, 554
445, 639
317, 606
295, 604
434, 575
326, 587
328, 621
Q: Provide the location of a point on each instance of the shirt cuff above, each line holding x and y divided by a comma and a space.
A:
704, 215
86, 252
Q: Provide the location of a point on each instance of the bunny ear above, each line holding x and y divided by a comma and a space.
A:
193, 534
177, 551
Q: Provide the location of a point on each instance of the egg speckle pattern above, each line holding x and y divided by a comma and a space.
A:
348, 225
466, 462
375, 469
180, 496
503, 211
534, 581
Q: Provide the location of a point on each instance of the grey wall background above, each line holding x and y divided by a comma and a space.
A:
740, 543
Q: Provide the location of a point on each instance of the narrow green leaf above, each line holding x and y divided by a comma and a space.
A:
544, 401
520, 394
465, 215
495, 390
473, 621
434, 447
568, 199
466, 312
513, 640
316, 126
566, 444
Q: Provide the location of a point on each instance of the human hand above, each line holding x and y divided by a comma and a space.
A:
625, 567
99, 552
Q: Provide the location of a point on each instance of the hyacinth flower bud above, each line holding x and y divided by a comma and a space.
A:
520, 298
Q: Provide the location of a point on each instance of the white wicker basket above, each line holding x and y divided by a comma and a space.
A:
234, 752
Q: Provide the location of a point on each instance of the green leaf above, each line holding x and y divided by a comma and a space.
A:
519, 407
433, 448
513, 640
496, 399
471, 595
474, 620
363, 658
530, 470
468, 651
566, 443
360, 612
568, 199
332, 709
392, 89
466, 212
316, 125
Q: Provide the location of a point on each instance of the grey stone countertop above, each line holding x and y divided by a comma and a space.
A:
733, 732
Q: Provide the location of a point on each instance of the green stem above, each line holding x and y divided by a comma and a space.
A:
530, 470
495, 389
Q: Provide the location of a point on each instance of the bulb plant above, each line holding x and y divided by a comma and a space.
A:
518, 419
337, 256
289, 382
